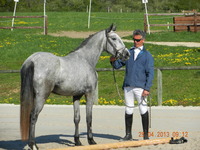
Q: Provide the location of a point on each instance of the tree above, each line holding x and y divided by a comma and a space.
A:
6, 5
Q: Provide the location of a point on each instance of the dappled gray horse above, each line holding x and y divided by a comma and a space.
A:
72, 75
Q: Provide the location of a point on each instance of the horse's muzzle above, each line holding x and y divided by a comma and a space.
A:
123, 54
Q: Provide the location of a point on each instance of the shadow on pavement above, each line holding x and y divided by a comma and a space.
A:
59, 139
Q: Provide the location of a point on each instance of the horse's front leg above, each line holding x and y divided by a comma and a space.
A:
89, 106
76, 101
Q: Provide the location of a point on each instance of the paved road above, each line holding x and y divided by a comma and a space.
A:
55, 126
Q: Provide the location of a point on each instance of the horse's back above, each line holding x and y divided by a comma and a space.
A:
40, 56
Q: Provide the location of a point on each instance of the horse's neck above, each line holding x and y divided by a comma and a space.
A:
93, 49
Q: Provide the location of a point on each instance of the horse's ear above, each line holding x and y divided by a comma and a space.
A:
114, 28
111, 28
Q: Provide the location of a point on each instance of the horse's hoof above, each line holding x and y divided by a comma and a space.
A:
91, 142
78, 144
31, 147
77, 141
34, 147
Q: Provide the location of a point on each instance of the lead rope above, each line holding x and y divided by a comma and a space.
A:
150, 110
116, 85
117, 88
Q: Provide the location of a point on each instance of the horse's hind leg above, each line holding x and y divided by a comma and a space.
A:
76, 100
89, 105
38, 105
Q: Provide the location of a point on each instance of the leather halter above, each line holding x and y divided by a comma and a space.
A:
116, 50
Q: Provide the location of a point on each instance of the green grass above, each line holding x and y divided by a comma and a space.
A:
16, 47
179, 87
78, 21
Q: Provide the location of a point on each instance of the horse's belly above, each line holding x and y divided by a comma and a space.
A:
71, 90
76, 80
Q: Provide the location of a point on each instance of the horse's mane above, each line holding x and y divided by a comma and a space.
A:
85, 41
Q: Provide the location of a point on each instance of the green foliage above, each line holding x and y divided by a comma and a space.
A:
101, 5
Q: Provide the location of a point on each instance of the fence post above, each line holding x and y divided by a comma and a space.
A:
45, 24
159, 87
195, 22
145, 23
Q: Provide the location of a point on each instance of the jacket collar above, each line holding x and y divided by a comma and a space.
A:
141, 52
142, 48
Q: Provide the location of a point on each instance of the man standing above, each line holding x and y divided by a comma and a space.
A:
137, 82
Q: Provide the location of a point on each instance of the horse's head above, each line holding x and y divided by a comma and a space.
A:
115, 45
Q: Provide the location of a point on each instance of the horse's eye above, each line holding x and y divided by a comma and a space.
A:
113, 39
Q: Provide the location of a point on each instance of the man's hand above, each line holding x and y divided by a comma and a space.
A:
112, 59
145, 93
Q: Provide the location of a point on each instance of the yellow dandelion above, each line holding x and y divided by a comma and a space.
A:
187, 63
8, 43
48, 100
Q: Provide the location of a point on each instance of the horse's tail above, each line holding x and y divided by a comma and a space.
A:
26, 98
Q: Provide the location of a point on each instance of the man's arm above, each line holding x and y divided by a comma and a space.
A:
116, 63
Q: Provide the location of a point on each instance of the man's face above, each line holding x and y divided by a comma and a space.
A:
138, 41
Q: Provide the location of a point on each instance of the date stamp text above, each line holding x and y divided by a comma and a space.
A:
165, 134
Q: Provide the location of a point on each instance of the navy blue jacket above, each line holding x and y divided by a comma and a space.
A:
139, 73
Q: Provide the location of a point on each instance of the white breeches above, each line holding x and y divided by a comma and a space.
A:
130, 94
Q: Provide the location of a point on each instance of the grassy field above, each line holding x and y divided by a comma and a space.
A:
179, 87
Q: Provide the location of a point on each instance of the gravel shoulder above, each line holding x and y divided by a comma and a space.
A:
75, 34
55, 127
82, 34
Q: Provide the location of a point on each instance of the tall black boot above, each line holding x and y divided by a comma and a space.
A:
128, 123
145, 125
